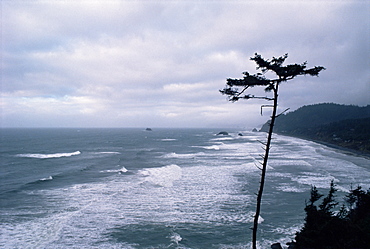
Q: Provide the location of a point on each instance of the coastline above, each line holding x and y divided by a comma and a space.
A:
344, 150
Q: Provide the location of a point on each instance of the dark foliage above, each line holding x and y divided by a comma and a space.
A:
343, 125
319, 115
235, 88
348, 228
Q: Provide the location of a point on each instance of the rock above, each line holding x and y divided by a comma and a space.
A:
223, 133
276, 246
240, 134
291, 245
148, 129
255, 130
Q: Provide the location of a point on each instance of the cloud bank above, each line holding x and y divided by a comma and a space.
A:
161, 63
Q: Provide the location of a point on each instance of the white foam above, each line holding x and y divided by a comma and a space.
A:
123, 170
168, 139
250, 218
288, 230
251, 166
315, 179
189, 155
82, 213
214, 189
212, 147
282, 162
46, 156
107, 152
241, 148
237, 218
32, 234
285, 187
164, 176
222, 139
47, 178
175, 238
119, 171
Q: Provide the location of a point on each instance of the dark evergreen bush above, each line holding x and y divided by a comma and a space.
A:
346, 228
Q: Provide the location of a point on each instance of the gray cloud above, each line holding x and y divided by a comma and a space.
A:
138, 63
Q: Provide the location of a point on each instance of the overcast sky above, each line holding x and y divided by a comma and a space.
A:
162, 63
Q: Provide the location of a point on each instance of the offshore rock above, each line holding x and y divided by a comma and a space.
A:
224, 133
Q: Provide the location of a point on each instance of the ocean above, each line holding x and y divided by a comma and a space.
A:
165, 188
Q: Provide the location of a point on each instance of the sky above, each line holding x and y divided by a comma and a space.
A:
95, 63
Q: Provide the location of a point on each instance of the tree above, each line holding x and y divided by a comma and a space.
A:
324, 228
235, 89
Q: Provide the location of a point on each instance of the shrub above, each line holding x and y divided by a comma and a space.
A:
346, 228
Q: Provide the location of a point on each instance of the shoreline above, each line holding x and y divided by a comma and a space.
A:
344, 150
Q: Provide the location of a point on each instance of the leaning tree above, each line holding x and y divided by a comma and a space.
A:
236, 89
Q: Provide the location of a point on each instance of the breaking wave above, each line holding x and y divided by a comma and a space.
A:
211, 147
190, 155
119, 171
109, 152
47, 178
163, 176
46, 156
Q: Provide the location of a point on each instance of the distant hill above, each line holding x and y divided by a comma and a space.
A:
342, 125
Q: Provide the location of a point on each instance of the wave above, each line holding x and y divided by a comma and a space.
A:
211, 147
222, 139
46, 156
107, 152
39, 181
175, 238
163, 176
190, 155
119, 171
46, 178
168, 139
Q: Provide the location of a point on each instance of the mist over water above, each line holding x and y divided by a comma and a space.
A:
166, 188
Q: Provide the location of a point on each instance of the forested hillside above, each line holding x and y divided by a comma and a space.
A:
343, 125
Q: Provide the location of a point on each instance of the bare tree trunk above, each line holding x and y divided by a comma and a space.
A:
264, 166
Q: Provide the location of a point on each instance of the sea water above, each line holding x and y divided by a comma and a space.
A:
165, 188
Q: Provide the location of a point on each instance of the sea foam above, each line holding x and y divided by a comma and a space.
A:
119, 171
107, 152
47, 178
163, 176
189, 155
46, 156
175, 238
211, 147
